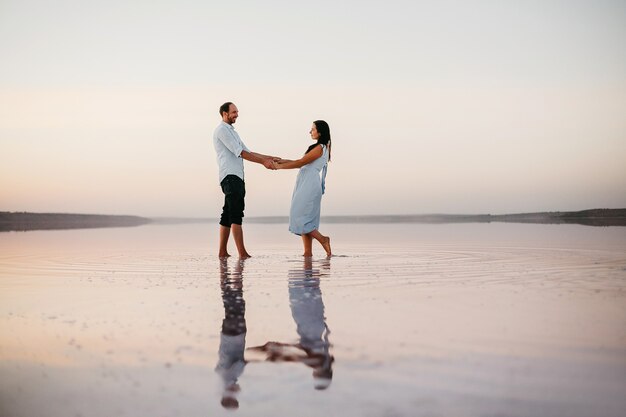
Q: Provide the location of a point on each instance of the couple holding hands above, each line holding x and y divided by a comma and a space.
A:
304, 215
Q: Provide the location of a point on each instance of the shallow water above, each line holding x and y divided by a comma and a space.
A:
406, 320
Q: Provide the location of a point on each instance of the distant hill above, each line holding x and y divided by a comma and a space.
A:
593, 217
12, 221
21, 221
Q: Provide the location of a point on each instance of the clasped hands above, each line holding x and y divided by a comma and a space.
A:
273, 162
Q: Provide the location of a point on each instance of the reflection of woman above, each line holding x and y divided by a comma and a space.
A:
231, 362
304, 216
307, 309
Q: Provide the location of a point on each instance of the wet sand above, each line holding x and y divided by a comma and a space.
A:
425, 320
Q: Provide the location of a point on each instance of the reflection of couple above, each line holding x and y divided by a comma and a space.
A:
304, 215
307, 309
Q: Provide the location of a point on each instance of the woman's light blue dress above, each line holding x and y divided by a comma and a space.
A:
304, 216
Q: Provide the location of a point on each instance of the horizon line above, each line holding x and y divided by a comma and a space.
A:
274, 216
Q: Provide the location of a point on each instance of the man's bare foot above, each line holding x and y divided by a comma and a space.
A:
326, 246
223, 255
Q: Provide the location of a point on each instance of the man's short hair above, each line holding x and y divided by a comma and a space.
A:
224, 108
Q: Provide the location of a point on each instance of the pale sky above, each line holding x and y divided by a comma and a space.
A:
434, 107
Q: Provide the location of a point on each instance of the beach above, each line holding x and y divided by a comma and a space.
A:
405, 320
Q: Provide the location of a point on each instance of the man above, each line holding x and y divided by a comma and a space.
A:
231, 151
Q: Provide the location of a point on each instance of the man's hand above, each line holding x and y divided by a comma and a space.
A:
269, 163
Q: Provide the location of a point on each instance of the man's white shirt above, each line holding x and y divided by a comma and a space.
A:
228, 147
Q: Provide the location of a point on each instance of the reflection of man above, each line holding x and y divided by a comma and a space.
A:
231, 362
307, 310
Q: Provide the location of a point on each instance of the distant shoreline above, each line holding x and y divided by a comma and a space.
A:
592, 217
24, 221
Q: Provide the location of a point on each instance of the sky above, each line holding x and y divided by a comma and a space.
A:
434, 106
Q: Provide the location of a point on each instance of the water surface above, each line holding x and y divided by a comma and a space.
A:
406, 320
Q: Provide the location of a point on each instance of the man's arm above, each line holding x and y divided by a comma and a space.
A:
265, 160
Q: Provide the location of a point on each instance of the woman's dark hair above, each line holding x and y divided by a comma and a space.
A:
324, 139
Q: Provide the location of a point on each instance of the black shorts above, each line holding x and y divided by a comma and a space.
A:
234, 192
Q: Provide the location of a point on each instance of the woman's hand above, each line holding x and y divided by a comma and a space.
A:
278, 164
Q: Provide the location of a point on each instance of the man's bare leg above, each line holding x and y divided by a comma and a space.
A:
324, 241
238, 236
224, 235
307, 240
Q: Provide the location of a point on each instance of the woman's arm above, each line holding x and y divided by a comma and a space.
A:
306, 159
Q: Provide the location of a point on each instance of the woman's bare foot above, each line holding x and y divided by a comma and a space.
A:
223, 255
307, 254
245, 255
326, 246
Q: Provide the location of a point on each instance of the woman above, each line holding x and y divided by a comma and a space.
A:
304, 217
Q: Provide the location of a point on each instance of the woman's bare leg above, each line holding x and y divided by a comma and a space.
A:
324, 241
307, 240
